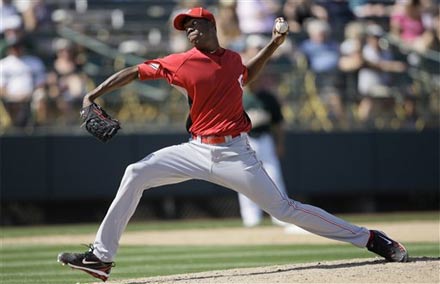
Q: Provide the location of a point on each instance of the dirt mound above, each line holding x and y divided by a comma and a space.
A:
417, 270
376, 270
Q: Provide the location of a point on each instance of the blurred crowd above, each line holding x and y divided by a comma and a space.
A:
37, 91
347, 64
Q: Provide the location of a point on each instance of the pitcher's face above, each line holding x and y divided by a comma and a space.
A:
200, 32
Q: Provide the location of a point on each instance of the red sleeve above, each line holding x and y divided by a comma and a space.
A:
161, 68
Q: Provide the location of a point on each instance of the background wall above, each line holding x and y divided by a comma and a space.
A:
356, 171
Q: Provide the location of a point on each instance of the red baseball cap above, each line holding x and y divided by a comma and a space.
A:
197, 12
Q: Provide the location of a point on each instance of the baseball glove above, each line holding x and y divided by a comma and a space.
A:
99, 123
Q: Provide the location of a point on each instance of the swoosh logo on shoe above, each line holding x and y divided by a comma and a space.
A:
386, 240
86, 262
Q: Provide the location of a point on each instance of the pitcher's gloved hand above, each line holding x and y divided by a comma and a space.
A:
99, 123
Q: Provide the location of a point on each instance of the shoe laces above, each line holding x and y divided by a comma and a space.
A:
90, 247
90, 250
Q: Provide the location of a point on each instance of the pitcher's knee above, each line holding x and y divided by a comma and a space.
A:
284, 211
132, 171
135, 174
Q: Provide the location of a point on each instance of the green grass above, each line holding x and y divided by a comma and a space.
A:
133, 226
199, 224
37, 264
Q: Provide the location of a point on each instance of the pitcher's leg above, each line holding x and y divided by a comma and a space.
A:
167, 166
320, 222
273, 168
248, 177
310, 218
119, 213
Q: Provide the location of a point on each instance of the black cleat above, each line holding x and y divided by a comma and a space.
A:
384, 246
87, 262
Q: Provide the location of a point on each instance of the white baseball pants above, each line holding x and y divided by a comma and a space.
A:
265, 149
233, 165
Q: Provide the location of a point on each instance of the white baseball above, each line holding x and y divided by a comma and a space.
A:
281, 26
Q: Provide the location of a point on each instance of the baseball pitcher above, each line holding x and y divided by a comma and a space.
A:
212, 79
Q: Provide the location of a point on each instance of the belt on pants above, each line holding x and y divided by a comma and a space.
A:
213, 139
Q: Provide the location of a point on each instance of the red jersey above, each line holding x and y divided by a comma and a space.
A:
213, 84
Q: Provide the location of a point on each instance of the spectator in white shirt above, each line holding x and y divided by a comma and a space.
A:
257, 16
21, 82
